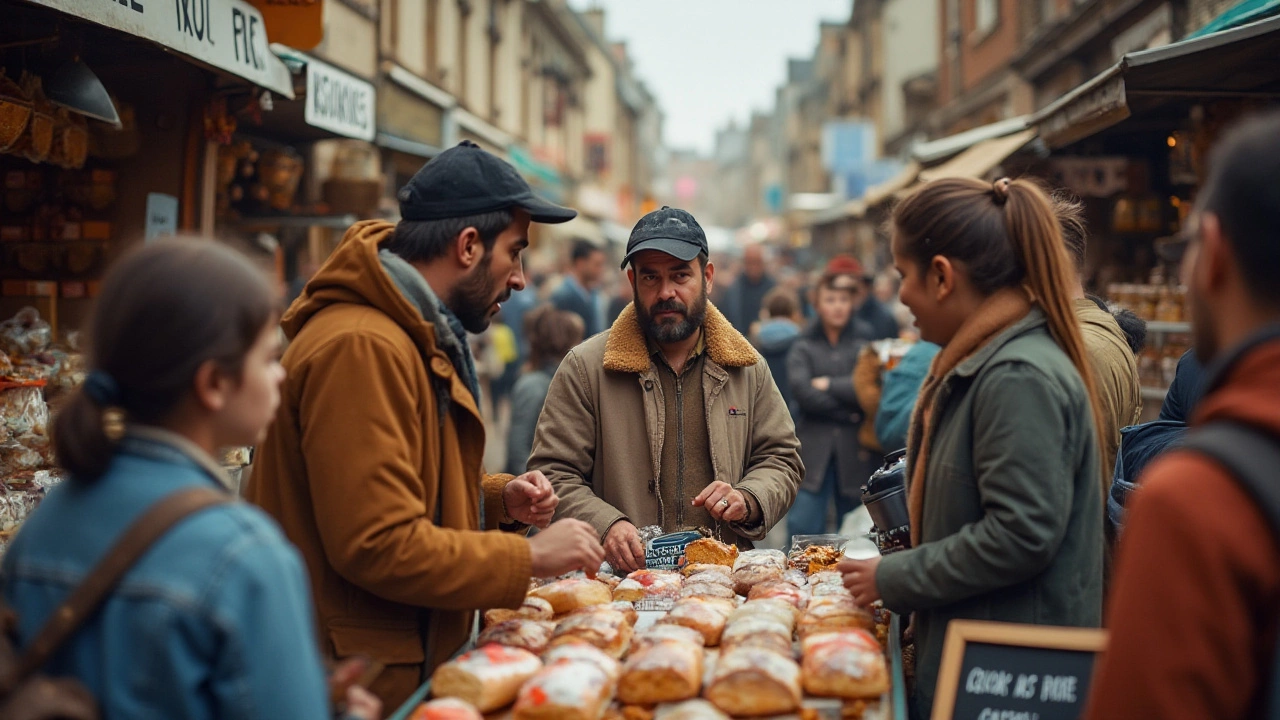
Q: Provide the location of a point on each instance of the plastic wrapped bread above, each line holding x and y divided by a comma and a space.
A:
531, 635
707, 590
569, 595
710, 577
533, 608
829, 588
648, 583
565, 690
606, 629
708, 618
779, 610
487, 677
661, 672
666, 632
780, 590
847, 664
838, 613
757, 566
695, 568
446, 709
690, 710
775, 558
751, 681
709, 551
587, 654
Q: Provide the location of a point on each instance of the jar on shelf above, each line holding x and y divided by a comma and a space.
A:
1168, 309
1147, 301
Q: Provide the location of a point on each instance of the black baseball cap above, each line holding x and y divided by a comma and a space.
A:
669, 230
465, 180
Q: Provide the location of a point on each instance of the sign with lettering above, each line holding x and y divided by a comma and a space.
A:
162, 216
1002, 671
666, 552
227, 34
339, 102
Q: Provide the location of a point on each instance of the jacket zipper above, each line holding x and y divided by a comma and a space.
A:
680, 451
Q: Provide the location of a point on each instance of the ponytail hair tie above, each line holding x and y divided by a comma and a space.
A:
1000, 189
102, 389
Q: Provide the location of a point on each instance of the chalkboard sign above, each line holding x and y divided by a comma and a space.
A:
1002, 671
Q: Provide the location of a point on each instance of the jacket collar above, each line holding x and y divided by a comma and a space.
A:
152, 435
971, 365
627, 351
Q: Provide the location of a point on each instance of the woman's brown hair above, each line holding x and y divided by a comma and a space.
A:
164, 311
552, 334
1005, 234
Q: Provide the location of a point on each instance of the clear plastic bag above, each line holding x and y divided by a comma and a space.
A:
25, 333
24, 412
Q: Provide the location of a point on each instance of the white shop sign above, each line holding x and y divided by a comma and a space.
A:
339, 102
227, 34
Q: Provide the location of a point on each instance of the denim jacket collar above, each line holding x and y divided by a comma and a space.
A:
167, 446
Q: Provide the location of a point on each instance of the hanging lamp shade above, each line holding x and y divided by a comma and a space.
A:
75, 87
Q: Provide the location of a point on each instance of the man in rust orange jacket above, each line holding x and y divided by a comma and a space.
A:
1195, 604
372, 466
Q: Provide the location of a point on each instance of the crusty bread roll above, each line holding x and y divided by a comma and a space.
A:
606, 629
706, 590
569, 595
751, 631
487, 677
834, 616
661, 672
780, 590
846, 665
795, 577
648, 583
534, 608
608, 579
587, 654
690, 710
666, 632
695, 568
446, 709
707, 618
708, 551
627, 609
748, 577
751, 681
779, 610
829, 588
565, 690
531, 635
773, 558
710, 577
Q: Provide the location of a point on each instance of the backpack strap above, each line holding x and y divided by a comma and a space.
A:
1252, 456
93, 590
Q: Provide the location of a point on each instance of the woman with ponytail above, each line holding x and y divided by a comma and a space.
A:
1005, 505
214, 620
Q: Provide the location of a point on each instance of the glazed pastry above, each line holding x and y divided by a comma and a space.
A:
606, 629
565, 690
780, 590
690, 710
781, 611
709, 577
757, 632
569, 595
707, 618
488, 677
446, 709
667, 632
752, 681
531, 635
839, 615
534, 608
748, 577
662, 672
648, 583
695, 568
846, 665
773, 558
587, 654
710, 552
706, 590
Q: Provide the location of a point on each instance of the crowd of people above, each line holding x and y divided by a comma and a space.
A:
372, 531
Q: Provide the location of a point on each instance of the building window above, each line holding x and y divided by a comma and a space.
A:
988, 12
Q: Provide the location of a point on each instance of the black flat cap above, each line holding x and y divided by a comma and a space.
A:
669, 230
465, 180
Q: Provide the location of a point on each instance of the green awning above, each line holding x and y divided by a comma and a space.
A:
1242, 13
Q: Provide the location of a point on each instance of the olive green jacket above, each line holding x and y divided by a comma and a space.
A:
1012, 522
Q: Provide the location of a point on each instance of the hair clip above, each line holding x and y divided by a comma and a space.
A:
1000, 188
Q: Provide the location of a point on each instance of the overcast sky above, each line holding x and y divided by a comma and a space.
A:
708, 61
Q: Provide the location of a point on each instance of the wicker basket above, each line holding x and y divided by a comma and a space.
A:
14, 116
70, 146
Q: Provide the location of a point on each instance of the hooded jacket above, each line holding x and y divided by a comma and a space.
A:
373, 469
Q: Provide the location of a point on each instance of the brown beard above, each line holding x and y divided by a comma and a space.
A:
670, 332
473, 296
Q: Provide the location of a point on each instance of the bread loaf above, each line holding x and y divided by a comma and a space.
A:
846, 665
690, 710
773, 558
446, 709
606, 629
760, 631
708, 551
781, 611
534, 608
751, 681
840, 614
666, 632
487, 677
531, 635
706, 590
661, 672
708, 618
565, 690
587, 654
569, 595
648, 583
780, 590
695, 568
710, 577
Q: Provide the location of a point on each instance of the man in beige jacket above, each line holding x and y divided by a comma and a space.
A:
669, 418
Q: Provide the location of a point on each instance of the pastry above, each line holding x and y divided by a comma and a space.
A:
661, 672
569, 595
795, 577
827, 589
446, 709
627, 609
695, 568
609, 579
534, 608
846, 665
773, 558
565, 690
587, 654
816, 558
707, 618
648, 583
706, 590
826, 576
487, 677
690, 710
751, 681
834, 616
710, 552
606, 629
667, 632
752, 575
780, 590
750, 630
710, 577
531, 635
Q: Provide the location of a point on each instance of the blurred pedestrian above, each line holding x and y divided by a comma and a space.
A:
373, 464
215, 619
1193, 607
820, 371
552, 334
899, 389
744, 298
1004, 499
579, 293
875, 317
780, 326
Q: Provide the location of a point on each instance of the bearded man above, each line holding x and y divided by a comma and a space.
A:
669, 418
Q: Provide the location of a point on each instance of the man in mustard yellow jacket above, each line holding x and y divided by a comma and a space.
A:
372, 466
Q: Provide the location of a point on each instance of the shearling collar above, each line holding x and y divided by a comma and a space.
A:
627, 351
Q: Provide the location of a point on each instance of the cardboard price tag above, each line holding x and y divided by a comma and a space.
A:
666, 552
